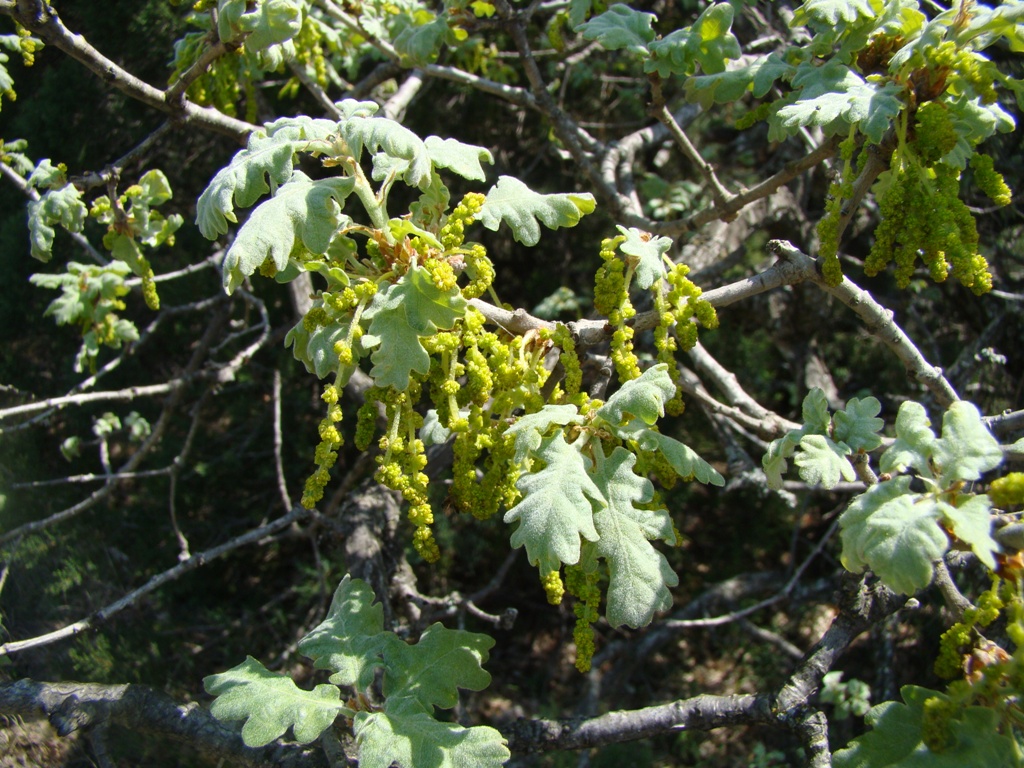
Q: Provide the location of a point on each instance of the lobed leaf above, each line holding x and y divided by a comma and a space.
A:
351, 639
303, 211
858, 424
530, 428
896, 738
966, 449
639, 576
823, 462
709, 42
620, 27
431, 671
271, 703
555, 511
971, 522
914, 441
894, 533
647, 251
61, 206
399, 316
730, 86
683, 459
511, 201
397, 141
463, 159
415, 740
642, 398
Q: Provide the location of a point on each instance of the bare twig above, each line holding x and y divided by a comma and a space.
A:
171, 574
878, 321
282, 483
40, 18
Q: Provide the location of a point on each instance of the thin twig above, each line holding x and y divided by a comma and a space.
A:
171, 574
282, 483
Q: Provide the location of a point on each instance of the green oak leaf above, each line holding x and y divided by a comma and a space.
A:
511, 201
642, 398
708, 42
914, 441
966, 449
858, 424
351, 639
302, 209
829, 13
815, 413
419, 44
833, 97
896, 738
156, 189
886, 530
431, 671
822, 461
463, 159
266, 23
61, 206
620, 27
639, 576
47, 175
397, 141
416, 740
530, 428
731, 85
555, 512
410, 308
271, 703
971, 522
683, 459
244, 180
647, 251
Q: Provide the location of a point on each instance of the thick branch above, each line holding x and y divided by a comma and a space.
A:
74, 706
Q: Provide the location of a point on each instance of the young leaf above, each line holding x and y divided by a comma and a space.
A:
642, 398
397, 141
683, 459
709, 42
858, 425
897, 737
647, 251
271, 703
829, 13
555, 510
62, 206
352, 637
511, 201
892, 532
463, 159
418, 44
815, 413
302, 209
529, 430
971, 522
731, 85
822, 461
914, 441
431, 671
639, 575
620, 27
966, 449
415, 739
399, 316
244, 180
315, 349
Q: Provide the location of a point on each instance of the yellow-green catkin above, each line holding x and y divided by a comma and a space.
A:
326, 451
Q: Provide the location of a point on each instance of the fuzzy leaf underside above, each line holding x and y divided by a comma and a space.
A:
640, 399
431, 671
271, 703
409, 309
555, 510
530, 428
352, 637
514, 203
683, 459
414, 740
639, 575
301, 210
886, 530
